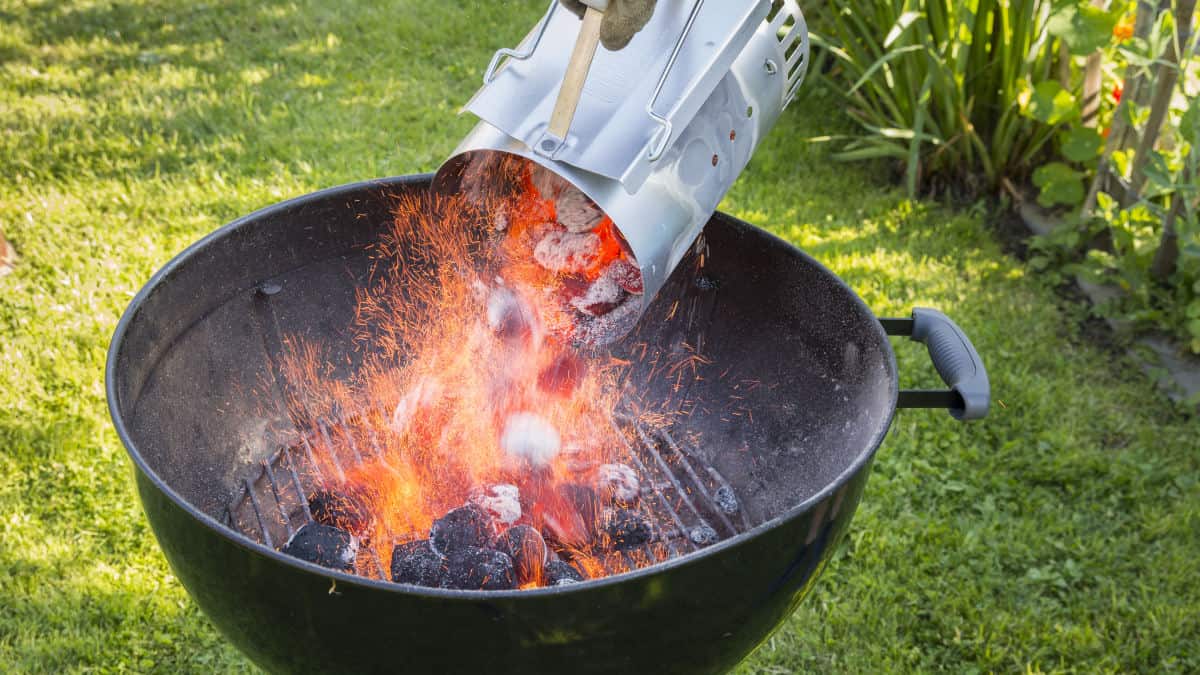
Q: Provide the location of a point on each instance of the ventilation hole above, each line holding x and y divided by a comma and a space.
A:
793, 47
786, 28
749, 111
714, 160
733, 134
774, 11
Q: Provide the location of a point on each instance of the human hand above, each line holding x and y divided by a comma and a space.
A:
622, 20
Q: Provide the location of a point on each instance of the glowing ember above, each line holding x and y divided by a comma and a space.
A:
485, 395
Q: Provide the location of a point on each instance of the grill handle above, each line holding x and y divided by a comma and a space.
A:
955, 359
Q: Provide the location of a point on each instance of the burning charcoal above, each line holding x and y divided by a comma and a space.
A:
601, 297
618, 481
507, 316
577, 461
567, 252
608, 328
530, 437
416, 563
586, 502
462, 528
324, 545
627, 529
502, 503
726, 500
347, 511
548, 184
525, 546
705, 283
562, 374
703, 535
479, 569
559, 573
627, 275
576, 212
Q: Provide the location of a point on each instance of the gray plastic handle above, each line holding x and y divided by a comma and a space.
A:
954, 358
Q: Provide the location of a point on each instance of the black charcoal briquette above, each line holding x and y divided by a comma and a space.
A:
559, 573
323, 545
527, 549
464, 527
479, 569
726, 500
627, 529
416, 563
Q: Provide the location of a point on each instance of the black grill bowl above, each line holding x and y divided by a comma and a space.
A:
783, 337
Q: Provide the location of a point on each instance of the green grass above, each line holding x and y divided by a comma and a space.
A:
1061, 534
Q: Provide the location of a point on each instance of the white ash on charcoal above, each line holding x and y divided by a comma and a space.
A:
347, 510
559, 573
601, 331
462, 528
525, 546
528, 437
416, 563
576, 212
627, 529
726, 500
627, 275
600, 298
323, 545
480, 569
619, 482
703, 535
502, 502
508, 316
567, 252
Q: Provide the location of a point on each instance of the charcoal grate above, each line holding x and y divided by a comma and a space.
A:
689, 504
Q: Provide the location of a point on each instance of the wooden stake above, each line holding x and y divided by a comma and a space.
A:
577, 72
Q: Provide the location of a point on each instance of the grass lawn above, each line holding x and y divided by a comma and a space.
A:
1062, 534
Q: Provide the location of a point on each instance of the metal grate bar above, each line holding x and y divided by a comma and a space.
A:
691, 472
650, 445
662, 499
262, 525
287, 520
337, 464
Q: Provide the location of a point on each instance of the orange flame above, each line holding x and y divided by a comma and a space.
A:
465, 330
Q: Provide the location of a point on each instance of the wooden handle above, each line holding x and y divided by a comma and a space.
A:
576, 75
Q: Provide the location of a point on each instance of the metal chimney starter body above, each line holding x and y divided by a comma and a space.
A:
664, 126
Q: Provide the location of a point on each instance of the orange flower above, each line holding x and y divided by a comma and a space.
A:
1124, 29
1116, 93
1105, 132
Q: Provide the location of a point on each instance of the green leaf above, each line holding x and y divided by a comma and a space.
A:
1193, 309
1081, 144
1084, 27
1189, 124
1051, 103
1059, 184
902, 24
1193, 327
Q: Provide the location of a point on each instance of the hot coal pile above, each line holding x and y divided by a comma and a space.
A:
494, 461
489, 543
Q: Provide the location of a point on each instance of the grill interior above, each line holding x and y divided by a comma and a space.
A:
681, 495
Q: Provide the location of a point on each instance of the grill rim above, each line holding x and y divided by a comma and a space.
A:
113, 357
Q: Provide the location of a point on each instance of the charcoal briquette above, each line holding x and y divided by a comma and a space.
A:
465, 527
416, 563
703, 535
323, 545
559, 573
346, 510
525, 546
627, 529
726, 500
480, 569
